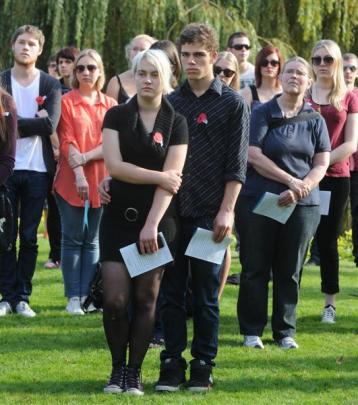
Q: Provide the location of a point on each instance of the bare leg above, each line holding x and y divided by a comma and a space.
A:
225, 270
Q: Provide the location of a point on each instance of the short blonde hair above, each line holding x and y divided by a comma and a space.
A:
230, 57
129, 46
339, 87
97, 58
160, 61
300, 60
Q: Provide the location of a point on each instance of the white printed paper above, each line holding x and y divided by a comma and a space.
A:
138, 264
325, 199
202, 246
268, 206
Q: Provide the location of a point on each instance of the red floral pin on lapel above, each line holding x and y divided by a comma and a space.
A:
202, 118
40, 100
158, 138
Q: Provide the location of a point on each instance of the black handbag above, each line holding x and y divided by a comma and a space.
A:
95, 296
6, 221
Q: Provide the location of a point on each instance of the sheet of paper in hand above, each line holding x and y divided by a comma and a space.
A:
268, 206
202, 246
138, 264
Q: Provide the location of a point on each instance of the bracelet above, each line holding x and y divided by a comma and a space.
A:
291, 181
84, 159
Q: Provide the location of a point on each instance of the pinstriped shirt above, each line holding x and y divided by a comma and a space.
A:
218, 124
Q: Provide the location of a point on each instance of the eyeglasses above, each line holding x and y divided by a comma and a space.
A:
317, 60
227, 72
273, 63
297, 72
240, 47
82, 68
352, 68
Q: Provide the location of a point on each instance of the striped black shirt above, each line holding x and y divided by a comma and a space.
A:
218, 124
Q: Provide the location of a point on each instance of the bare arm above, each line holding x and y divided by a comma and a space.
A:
224, 219
148, 236
349, 146
113, 88
170, 179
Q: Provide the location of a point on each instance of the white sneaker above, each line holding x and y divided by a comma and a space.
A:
287, 343
329, 314
74, 306
5, 308
253, 341
24, 309
90, 308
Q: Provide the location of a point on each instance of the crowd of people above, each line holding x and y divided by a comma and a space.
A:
188, 137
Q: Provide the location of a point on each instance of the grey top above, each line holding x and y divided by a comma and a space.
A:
291, 147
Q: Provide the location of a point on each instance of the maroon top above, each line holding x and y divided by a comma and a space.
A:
7, 155
353, 160
336, 122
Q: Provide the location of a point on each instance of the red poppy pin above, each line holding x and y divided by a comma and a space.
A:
158, 138
40, 100
202, 118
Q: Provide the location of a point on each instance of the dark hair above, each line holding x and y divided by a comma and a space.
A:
261, 57
238, 34
171, 51
201, 33
52, 58
4, 136
70, 52
29, 29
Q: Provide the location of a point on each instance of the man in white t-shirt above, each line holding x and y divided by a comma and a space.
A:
239, 44
38, 100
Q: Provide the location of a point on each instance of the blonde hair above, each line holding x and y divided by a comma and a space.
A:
339, 88
160, 61
97, 58
129, 46
300, 60
230, 57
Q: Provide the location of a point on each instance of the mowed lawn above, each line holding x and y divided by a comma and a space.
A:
56, 358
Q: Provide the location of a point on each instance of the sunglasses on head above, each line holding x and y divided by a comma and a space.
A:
273, 63
227, 72
352, 68
82, 68
239, 47
327, 60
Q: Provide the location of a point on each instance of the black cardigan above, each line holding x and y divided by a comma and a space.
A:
41, 126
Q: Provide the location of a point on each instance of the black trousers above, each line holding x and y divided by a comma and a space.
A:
266, 245
354, 213
328, 232
53, 225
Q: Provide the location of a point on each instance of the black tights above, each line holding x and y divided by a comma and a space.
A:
118, 288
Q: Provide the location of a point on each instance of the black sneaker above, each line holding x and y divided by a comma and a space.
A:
172, 375
115, 384
201, 379
133, 383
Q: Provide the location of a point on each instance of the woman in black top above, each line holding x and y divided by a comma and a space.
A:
122, 87
144, 147
268, 66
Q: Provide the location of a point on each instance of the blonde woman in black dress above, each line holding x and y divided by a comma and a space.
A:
144, 147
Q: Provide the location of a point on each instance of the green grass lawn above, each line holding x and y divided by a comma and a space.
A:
56, 358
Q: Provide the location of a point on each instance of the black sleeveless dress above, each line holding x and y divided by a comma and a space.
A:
124, 217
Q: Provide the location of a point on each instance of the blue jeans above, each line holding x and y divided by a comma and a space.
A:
79, 247
27, 190
205, 287
267, 245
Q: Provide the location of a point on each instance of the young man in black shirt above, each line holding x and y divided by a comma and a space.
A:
218, 122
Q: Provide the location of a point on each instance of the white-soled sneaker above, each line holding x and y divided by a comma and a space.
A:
253, 341
287, 343
24, 309
5, 308
329, 314
74, 306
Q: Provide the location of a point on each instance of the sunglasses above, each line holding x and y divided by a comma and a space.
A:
273, 63
227, 72
240, 47
352, 68
317, 60
82, 68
